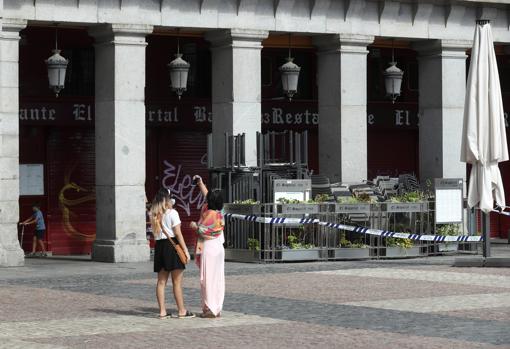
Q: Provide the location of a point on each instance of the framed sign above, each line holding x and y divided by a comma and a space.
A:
406, 207
352, 208
449, 200
31, 179
292, 189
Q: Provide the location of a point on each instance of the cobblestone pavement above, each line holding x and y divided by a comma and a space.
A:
415, 303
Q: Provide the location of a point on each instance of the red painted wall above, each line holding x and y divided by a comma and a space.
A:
176, 130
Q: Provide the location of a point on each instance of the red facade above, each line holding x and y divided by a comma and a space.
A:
59, 133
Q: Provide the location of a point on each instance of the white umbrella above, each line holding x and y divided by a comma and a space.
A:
484, 140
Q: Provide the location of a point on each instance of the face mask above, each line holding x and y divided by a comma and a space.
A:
171, 200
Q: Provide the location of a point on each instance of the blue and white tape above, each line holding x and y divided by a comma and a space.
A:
360, 230
502, 213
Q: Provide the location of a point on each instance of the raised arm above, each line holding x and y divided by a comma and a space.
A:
201, 185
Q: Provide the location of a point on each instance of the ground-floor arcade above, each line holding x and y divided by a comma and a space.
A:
117, 132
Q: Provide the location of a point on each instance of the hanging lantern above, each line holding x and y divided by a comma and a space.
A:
178, 74
393, 81
57, 66
179, 69
393, 77
290, 77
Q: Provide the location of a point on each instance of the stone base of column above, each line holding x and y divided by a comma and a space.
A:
11, 256
118, 251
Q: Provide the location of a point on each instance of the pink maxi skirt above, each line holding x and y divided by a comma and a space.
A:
212, 275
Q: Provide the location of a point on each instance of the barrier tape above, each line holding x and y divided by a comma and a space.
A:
502, 212
360, 230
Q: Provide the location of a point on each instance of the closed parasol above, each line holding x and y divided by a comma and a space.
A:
484, 142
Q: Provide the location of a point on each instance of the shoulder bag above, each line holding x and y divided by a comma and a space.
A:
178, 249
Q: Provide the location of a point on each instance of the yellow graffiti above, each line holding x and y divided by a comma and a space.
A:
66, 204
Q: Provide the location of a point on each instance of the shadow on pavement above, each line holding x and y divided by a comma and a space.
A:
144, 312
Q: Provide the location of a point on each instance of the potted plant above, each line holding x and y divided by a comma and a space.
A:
350, 250
297, 250
239, 250
252, 254
410, 197
398, 248
357, 207
405, 213
448, 230
246, 207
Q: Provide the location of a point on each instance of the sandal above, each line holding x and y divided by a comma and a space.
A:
188, 315
163, 317
208, 315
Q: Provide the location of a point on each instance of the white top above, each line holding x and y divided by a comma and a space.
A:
170, 220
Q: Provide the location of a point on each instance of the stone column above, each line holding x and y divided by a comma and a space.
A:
120, 143
236, 89
10, 252
342, 82
442, 83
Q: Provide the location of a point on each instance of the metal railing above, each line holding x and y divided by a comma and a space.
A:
255, 241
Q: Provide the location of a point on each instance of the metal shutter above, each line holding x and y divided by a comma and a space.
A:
71, 189
180, 155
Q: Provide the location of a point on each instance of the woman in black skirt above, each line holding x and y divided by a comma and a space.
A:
166, 224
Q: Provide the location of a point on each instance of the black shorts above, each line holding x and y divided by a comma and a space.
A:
39, 234
165, 257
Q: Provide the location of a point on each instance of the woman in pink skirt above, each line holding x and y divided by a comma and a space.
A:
210, 254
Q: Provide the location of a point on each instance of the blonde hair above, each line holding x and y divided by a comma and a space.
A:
158, 207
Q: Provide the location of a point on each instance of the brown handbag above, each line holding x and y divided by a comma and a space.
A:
180, 251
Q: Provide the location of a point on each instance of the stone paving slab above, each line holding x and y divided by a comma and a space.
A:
9, 343
429, 276
282, 335
42, 268
479, 271
478, 261
80, 326
300, 305
337, 289
441, 304
21, 303
492, 314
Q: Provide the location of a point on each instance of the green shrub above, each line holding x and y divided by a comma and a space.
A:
288, 201
347, 200
399, 242
253, 245
351, 244
319, 198
412, 196
295, 244
247, 202
448, 230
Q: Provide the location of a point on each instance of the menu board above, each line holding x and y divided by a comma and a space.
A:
449, 200
292, 189
31, 179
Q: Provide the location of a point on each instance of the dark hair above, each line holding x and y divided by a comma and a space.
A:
215, 200
36, 205
161, 195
